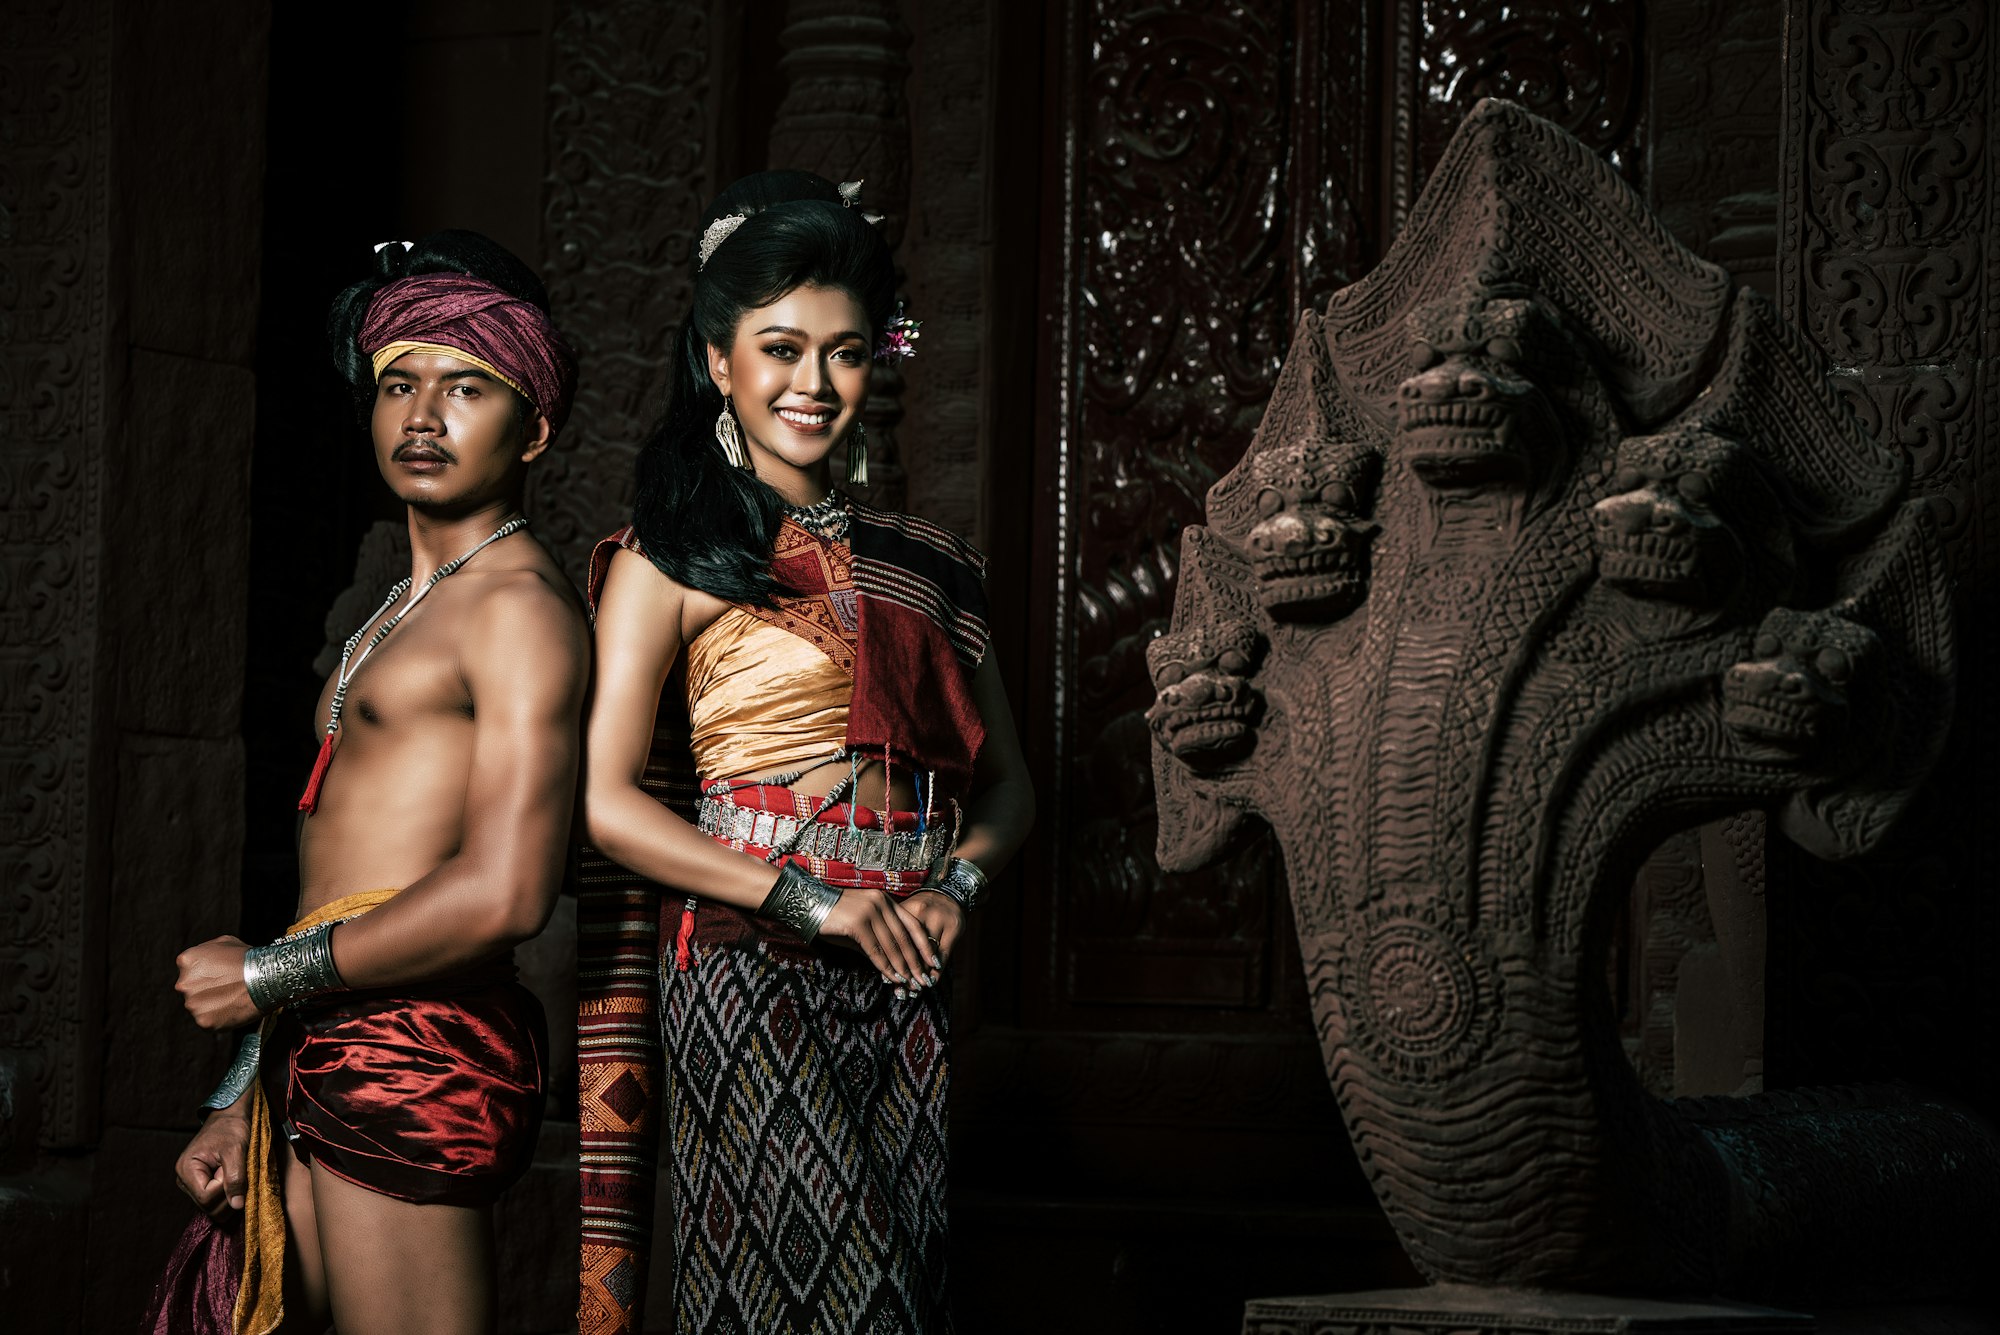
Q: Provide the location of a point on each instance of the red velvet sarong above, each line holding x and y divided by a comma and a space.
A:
431, 1095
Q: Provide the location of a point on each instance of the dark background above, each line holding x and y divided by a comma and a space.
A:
1110, 215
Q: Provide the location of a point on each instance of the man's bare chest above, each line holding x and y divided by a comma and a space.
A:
413, 679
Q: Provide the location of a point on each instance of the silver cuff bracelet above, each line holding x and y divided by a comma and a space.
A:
239, 1075
963, 883
292, 968
799, 901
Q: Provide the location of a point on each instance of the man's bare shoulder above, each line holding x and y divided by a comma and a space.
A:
528, 612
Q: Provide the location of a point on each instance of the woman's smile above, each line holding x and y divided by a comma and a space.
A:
811, 421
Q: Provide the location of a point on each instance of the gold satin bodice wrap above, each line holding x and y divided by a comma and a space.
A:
761, 699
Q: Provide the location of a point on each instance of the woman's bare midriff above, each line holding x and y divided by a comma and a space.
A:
822, 779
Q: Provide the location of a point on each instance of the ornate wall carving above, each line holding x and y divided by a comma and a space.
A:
1580, 65
631, 153
1889, 233
1554, 541
54, 396
1191, 231
1885, 222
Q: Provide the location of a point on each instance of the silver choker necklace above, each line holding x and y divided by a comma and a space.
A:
826, 519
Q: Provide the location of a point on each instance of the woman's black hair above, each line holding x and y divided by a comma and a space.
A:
707, 524
453, 250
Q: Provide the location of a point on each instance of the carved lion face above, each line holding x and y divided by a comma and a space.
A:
1662, 533
1466, 414
1207, 711
1310, 542
1793, 698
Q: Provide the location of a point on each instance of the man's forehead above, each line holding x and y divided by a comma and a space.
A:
425, 364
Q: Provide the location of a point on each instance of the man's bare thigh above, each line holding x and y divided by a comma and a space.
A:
305, 1274
398, 1268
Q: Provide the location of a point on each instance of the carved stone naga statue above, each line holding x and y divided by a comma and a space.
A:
1552, 543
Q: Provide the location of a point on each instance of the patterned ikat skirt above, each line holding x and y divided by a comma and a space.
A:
806, 1107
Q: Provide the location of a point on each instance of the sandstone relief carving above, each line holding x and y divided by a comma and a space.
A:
1207, 709
1553, 542
1310, 543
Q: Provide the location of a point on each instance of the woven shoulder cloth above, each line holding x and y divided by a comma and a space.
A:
921, 593
620, 1073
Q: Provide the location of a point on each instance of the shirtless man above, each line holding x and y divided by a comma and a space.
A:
403, 1070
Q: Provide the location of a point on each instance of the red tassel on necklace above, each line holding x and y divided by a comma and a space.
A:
310, 802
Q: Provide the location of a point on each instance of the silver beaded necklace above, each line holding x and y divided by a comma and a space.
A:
826, 518
350, 662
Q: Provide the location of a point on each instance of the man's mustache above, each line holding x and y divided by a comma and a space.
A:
422, 449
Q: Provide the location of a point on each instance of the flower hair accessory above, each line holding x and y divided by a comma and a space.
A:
899, 337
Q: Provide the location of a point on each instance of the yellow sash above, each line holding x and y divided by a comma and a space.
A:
260, 1302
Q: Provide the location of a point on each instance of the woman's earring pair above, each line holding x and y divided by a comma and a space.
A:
729, 437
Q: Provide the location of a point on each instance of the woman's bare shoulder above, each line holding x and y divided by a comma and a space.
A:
635, 581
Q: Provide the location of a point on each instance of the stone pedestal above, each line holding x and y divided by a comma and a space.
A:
1459, 1309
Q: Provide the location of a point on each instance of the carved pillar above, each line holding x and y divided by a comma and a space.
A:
1889, 236
953, 115
1712, 95
1713, 101
55, 395
843, 116
631, 152
126, 421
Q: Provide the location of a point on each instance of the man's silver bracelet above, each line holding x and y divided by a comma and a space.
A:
239, 1075
799, 901
292, 968
963, 883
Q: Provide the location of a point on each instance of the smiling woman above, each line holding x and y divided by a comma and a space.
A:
821, 669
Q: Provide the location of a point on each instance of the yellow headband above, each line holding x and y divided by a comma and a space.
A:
395, 350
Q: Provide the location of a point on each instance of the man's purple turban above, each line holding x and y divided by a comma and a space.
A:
473, 320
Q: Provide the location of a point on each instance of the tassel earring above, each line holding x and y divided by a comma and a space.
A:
857, 456
730, 438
